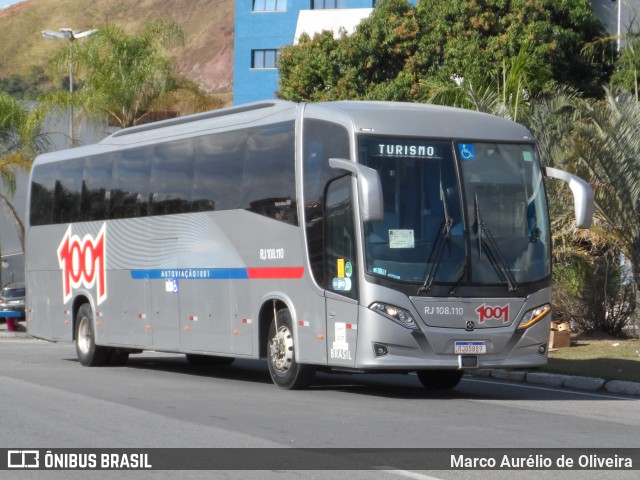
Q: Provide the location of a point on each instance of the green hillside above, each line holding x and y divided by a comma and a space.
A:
206, 59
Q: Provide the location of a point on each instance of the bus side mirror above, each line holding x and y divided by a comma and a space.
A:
582, 195
369, 188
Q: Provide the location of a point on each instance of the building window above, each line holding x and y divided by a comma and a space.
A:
269, 5
264, 58
323, 4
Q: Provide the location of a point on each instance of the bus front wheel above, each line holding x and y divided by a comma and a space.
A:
89, 354
283, 368
439, 379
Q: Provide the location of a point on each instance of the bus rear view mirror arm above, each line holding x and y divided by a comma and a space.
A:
369, 188
582, 195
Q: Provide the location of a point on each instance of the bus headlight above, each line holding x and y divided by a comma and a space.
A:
533, 316
396, 314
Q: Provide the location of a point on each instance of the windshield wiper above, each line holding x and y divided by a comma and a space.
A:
459, 281
492, 250
444, 235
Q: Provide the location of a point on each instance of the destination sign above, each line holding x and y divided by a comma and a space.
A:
408, 150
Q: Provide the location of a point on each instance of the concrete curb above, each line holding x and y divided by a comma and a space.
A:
620, 386
556, 380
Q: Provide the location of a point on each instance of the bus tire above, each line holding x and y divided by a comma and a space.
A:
89, 354
439, 379
208, 360
281, 356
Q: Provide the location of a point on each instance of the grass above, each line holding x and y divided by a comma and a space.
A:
598, 356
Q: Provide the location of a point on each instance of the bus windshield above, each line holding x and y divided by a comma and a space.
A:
457, 213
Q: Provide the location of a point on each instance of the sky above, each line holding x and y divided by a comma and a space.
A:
4, 3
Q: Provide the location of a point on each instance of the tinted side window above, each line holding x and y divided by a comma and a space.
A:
322, 141
43, 183
95, 189
171, 176
130, 184
268, 180
218, 171
249, 168
67, 190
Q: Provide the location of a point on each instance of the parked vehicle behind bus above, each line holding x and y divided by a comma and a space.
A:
362, 236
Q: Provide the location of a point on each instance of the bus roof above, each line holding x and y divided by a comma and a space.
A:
418, 119
388, 118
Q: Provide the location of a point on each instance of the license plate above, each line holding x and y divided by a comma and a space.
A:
470, 347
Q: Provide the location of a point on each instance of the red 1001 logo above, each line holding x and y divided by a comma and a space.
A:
83, 263
486, 312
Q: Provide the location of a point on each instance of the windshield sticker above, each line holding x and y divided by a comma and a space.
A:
467, 151
401, 239
341, 284
526, 156
348, 270
340, 268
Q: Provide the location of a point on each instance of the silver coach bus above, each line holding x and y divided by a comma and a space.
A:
363, 236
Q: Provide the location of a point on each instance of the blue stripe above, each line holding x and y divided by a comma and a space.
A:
191, 274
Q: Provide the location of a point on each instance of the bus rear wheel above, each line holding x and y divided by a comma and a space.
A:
281, 356
89, 354
439, 379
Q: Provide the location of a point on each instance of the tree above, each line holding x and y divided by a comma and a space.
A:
400, 50
597, 273
628, 67
20, 142
476, 39
370, 64
608, 156
128, 78
311, 70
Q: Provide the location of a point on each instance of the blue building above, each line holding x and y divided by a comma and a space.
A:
262, 27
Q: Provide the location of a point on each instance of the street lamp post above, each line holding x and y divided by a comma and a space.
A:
71, 36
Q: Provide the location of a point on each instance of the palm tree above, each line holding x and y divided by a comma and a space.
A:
609, 156
20, 142
129, 79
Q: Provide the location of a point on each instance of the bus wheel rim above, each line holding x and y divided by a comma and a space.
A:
84, 335
281, 349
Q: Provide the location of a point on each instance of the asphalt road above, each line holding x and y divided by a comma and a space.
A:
158, 400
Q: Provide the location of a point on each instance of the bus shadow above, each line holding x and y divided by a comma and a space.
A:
393, 386
397, 386
239, 370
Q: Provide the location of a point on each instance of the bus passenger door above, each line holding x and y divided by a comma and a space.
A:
340, 274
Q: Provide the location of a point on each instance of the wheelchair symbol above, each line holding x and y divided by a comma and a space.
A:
467, 151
